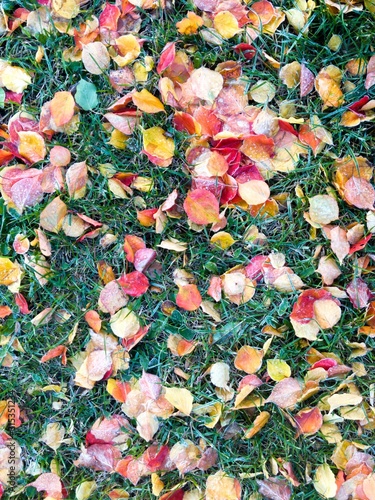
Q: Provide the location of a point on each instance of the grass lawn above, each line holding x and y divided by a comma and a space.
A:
74, 284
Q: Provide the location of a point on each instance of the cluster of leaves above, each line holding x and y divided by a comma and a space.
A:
145, 210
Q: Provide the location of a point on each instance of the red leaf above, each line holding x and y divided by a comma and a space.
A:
167, 57
247, 50
173, 495
21, 302
360, 245
325, 363
109, 17
303, 309
155, 457
254, 269
357, 106
134, 284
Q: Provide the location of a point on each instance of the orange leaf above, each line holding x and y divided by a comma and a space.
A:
249, 359
62, 108
132, 244
60, 350
118, 390
202, 207
188, 297
258, 147
147, 102
93, 320
308, 421
5, 311
327, 84
105, 271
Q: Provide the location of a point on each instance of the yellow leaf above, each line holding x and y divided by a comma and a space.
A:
118, 139
338, 400
9, 271
327, 313
147, 102
324, 481
189, 25
278, 369
334, 43
51, 218
222, 487
262, 91
15, 79
258, 424
254, 192
85, 489
157, 484
156, 143
296, 18
140, 72
182, 399
226, 24
65, 8
53, 435
129, 49
222, 239
39, 54
124, 323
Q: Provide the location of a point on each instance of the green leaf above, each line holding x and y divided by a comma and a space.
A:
86, 96
2, 98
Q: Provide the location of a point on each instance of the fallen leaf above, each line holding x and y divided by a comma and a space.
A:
146, 102
286, 393
278, 369
219, 486
202, 207
182, 399
62, 108
323, 209
360, 193
51, 218
76, 179
95, 58
309, 421
249, 359
274, 488
324, 481
219, 374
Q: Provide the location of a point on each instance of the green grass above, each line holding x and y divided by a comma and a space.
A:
75, 285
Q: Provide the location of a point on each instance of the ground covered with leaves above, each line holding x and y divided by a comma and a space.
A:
187, 298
